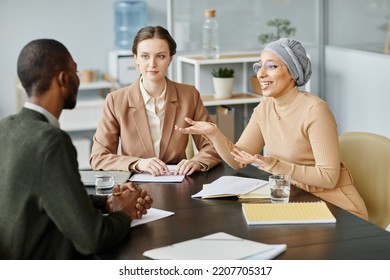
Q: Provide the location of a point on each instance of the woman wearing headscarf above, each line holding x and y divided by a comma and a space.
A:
296, 129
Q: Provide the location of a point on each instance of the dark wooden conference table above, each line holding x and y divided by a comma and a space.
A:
351, 238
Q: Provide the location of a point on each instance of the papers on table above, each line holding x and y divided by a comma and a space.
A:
88, 176
262, 194
230, 186
287, 213
152, 215
168, 178
217, 246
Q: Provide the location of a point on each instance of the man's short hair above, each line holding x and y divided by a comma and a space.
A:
39, 61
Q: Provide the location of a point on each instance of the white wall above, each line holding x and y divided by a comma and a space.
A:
85, 27
357, 83
358, 24
358, 89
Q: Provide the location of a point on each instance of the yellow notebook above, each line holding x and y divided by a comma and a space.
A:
287, 213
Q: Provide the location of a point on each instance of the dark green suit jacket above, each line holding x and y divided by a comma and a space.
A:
45, 211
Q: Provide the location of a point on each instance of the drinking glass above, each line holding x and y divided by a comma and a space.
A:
280, 188
104, 184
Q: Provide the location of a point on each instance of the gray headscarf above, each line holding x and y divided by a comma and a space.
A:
294, 56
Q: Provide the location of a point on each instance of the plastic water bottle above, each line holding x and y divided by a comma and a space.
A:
130, 16
210, 35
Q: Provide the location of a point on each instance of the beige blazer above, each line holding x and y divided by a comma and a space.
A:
124, 122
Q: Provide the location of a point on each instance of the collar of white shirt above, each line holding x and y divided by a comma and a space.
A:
146, 96
50, 117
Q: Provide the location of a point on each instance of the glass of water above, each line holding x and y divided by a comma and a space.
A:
280, 188
104, 184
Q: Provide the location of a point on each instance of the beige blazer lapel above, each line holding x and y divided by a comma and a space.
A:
170, 117
140, 120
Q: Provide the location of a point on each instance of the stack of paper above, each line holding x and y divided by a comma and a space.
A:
230, 186
217, 246
262, 194
287, 213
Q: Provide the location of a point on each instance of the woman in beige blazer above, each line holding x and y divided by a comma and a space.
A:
137, 129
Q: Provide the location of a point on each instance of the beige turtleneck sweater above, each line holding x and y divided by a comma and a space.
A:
299, 135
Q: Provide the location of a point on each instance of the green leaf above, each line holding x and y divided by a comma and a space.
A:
223, 73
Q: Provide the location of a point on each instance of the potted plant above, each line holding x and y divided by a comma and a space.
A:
223, 81
283, 29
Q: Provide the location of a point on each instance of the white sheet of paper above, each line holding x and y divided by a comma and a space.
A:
230, 185
217, 246
152, 215
168, 178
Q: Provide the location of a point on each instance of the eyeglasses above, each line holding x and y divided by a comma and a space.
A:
269, 65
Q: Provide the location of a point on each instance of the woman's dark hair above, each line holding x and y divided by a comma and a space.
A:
39, 61
150, 32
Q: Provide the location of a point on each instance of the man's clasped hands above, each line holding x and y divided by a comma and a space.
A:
129, 199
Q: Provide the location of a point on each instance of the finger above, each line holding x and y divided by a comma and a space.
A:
235, 150
239, 153
182, 168
192, 167
160, 167
131, 186
190, 121
152, 169
141, 209
134, 188
135, 191
116, 189
187, 168
143, 194
179, 166
147, 206
183, 130
149, 199
237, 159
142, 213
234, 153
144, 204
165, 168
192, 170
